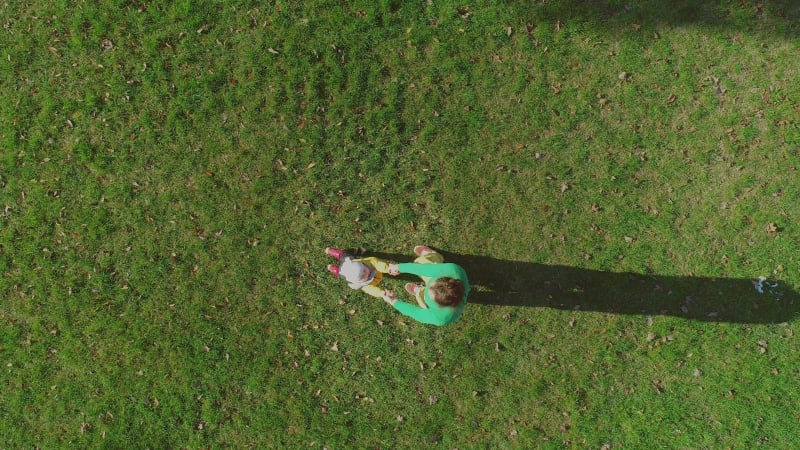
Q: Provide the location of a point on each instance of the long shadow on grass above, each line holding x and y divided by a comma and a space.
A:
522, 284
776, 17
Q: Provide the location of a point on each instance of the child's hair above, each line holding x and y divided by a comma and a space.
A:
447, 291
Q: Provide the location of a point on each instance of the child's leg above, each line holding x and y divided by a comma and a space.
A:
335, 252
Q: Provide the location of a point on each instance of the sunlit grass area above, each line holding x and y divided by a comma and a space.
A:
615, 177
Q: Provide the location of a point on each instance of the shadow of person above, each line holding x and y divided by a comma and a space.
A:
523, 284
777, 18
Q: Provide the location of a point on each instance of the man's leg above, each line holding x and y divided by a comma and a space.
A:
425, 255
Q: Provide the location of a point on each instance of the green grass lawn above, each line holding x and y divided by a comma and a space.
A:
615, 176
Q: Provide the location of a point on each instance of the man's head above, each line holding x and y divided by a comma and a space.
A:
447, 291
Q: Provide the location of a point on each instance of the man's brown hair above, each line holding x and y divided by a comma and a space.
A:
447, 291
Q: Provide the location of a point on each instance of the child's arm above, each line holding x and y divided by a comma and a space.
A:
374, 291
379, 265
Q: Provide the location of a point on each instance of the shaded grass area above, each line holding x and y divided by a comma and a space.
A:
171, 173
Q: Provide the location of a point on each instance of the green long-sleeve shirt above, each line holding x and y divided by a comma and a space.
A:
435, 314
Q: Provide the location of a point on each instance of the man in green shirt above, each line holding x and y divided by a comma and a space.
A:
442, 299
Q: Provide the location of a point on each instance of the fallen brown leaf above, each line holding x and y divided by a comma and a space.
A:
772, 228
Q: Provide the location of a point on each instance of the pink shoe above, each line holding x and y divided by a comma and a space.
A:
422, 250
334, 270
335, 252
413, 288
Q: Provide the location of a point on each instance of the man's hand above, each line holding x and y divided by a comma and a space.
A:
393, 269
389, 297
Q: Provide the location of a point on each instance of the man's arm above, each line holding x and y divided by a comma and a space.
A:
422, 270
418, 314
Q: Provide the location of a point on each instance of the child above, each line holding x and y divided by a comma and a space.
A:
360, 273
439, 302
